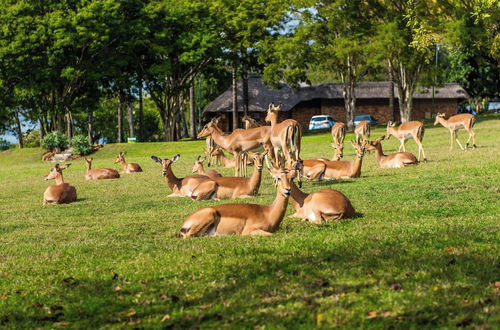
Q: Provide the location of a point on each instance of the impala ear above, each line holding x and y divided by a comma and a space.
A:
353, 143
65, 166
175, 158
156, 159
57, 167
278, 108
198, 159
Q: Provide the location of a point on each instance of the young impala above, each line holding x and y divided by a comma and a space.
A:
454, 123
396, 160
362, 130
411, 129
99, 173
198, 168
60, 192
328, 170
127, 167
241, 219
234, 187
183, 186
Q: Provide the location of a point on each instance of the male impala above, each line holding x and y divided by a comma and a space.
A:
239, 141
414, 129
60, 192
285, 136
338, 133
362, 130
321, 205
99, 173
127, 167
234, 187
241, 219
396, 160
198, 168
454, 123
319, 169
182, 187
250, 122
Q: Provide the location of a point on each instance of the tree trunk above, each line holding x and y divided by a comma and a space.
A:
392, 114
141, 114
19, 129
119, 138
90, 118
183, 130
245, 90
42, 130
406, 82
235, 97
69, 123
192, 113
349, 80
130, 118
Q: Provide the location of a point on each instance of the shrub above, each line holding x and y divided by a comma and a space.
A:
55, 140
4, 145
32, 139
81, 145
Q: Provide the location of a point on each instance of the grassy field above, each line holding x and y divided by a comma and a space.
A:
423, 252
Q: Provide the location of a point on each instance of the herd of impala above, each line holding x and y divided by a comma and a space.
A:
277, 147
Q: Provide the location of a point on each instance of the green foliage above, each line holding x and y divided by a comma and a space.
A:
55, 141
81, 145
31, 139
5, 145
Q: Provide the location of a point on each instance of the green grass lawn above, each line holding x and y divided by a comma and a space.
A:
423, 251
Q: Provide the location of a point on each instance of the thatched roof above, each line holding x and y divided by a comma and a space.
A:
261, 95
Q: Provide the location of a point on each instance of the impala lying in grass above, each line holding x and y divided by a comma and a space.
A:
61, 192
198, 168
241, 219
182, 187
99, 173
127, 167
396, 160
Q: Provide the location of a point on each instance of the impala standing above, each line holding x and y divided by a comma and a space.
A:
99, 173
396, 160
454, 123
338, 133
414, 129
127, 167
61, 192
241, 219
250, 122
362, 130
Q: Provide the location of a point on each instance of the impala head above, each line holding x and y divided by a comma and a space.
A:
438, 115
390, 125
55, 171
373, 144
282, 180
359, 147
208, 129
272, 111
88, 162
165, 163
198, 163
258, 159
120, 158
339, 150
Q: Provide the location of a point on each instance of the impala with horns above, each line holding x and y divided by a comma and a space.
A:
99, 173
411, 129
182, 187
127, 167
61, 192
396, 160
238, 142
338, 133
250, 122
362, 130
454, 123
241, 219
328, 170
198, 168
285, 136
234, 187
322, 205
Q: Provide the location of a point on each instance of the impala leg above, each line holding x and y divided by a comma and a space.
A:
260, 232
458, 141
421, 150
451, 139
204, 191
401, 145
473, 139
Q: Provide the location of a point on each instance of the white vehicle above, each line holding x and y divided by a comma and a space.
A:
320, 122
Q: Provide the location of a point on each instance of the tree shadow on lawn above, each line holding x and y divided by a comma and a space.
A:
263, 281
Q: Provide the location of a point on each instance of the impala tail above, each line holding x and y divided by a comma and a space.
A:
293, 134
420, 132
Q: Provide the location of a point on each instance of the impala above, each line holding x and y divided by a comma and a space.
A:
285, 136
61, 192
239, 141
321, 205
234, 187
454, 123
338, 152
250, 122
338, 133
99, 173
362, 130
127, 167
396, 160
183, 186
318, 169
241, 219
198, 168
414, 129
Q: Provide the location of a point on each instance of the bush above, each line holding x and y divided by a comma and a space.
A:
81, 145
55, 140
5, 145
32, 139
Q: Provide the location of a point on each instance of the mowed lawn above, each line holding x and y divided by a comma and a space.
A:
422, 252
